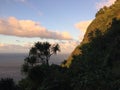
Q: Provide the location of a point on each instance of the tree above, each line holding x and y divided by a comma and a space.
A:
63, 63
39, 54
98, 65
7, 84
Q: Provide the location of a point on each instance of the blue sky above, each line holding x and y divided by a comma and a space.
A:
23, 22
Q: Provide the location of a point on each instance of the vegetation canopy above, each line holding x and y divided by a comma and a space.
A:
93, 65
39, 54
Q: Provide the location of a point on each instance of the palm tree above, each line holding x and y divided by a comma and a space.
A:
55, 48
40, 53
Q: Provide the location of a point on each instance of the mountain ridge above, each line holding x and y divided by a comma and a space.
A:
102, 22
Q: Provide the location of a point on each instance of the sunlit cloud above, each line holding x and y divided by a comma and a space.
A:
82, 26
104, 3
28, 28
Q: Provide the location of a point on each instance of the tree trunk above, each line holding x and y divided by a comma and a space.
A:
47, 61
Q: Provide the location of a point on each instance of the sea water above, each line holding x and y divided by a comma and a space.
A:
10, 64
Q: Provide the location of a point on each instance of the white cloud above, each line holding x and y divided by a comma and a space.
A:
28, 28
66, 47
104, 3
12, 48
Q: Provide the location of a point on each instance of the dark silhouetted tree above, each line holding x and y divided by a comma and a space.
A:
39, 54
7, 84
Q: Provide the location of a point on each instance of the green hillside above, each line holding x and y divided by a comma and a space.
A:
102, 22
93, 65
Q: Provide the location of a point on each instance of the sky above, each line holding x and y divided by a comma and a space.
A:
24, 22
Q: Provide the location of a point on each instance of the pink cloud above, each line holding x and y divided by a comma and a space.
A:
82, 26
104, 3
28, 28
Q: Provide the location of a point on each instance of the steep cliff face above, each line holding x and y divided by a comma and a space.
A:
102, 22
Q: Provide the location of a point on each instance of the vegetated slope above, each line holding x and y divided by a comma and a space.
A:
102, 22
98, 65
95, 62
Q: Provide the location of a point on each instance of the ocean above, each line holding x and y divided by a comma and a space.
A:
10, 64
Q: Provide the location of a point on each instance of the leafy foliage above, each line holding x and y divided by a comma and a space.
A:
8, 84
39, 54
96, 68
102, 22
94, 65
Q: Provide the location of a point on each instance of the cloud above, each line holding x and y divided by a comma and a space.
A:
28, 28
104, 3
66, 47
12, 48
83, 25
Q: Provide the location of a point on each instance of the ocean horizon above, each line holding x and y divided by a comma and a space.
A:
10, 64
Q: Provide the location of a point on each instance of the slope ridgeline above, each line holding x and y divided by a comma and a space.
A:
103, 22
